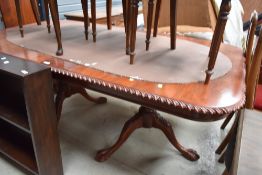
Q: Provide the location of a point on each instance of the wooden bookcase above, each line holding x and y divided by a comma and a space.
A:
28, 123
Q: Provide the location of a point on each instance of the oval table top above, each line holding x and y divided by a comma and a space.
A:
194, 101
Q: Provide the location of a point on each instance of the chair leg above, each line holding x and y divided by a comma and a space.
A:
222, 157
133, 27
128, 27
173, 11
149, 22
46, 4
19, 17
147, 118
157, 14
124, 12
35, 11
109, 14
227, 120
217, 37
85, 12
93, 14
229, 135
56, 23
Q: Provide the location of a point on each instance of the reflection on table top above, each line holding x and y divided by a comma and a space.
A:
194, 101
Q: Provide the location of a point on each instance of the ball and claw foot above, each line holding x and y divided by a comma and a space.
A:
59, 52
102, 155
191, 155
101, 100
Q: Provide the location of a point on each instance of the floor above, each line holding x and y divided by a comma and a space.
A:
86, 127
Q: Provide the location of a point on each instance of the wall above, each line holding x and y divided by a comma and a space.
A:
65, 6
9, 12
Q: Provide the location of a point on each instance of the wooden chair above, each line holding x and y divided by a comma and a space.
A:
53, 6
19, 15
252, 74
131, 18
130, 14
248, 54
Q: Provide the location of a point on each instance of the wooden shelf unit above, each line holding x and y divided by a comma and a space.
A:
27, 117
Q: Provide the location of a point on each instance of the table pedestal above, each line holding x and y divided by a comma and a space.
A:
147, 118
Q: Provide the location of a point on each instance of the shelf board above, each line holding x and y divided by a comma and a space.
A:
15, 118
18, 147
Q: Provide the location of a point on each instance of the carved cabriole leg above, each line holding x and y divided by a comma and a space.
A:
227, 120
109, 14
65, 90
217, 37
146, 118
158, 7
46, 4
173, 21
35, 11
56, 23
149, 22
133, 26
93, 13
19, 17
85, 12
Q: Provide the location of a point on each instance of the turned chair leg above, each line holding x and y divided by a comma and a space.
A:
35, 11
85, 12
93, 14
124, 12
227, 120
149, 22
56, 23
46, 4
19, 17
173, 23
128, 29
157, 14
109, 14
147, 118
133, 27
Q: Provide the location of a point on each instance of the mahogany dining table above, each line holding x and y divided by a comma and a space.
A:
195, 101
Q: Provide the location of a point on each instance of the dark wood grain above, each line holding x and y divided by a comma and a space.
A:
18, 147
30, 136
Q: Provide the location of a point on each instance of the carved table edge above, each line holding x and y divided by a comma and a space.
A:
156, 98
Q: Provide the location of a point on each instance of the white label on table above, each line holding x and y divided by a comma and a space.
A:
24, 72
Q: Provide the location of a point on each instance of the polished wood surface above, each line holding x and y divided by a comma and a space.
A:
248, 148
8, 10
147, 118
195, 101
33, 144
